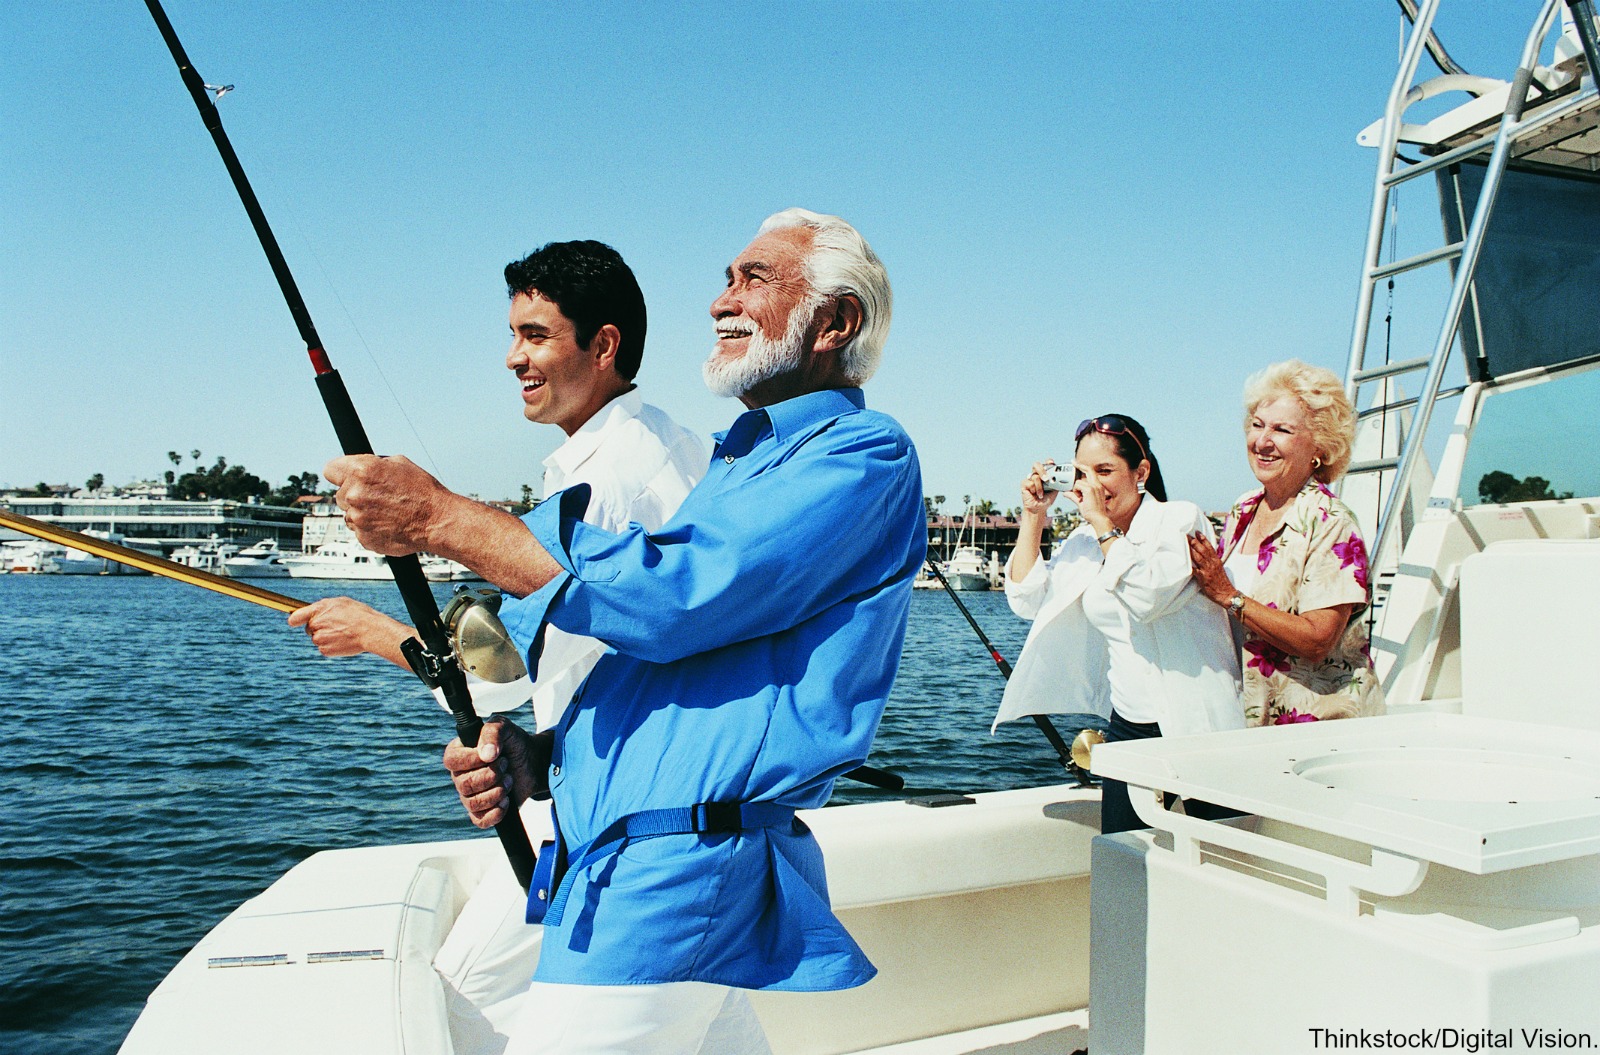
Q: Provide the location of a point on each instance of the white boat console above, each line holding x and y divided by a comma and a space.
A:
1407, 872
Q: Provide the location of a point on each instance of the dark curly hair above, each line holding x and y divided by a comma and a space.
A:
591, 285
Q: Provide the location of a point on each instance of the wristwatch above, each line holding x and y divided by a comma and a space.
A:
1236, 604
1109, 535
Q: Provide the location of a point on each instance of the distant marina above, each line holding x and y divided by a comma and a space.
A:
242, 540
250, 540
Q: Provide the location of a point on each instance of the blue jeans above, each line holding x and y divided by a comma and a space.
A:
1116, 812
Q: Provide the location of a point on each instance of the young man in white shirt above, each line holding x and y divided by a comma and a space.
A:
577, 337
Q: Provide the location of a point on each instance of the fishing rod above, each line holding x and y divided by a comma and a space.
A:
1067, 755
477, 637
147, 562
431, 658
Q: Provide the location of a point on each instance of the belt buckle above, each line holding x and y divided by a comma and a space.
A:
707, 817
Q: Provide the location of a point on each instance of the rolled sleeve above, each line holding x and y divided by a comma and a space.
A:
1026, 595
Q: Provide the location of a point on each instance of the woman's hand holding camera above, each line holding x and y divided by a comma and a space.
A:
1037, 495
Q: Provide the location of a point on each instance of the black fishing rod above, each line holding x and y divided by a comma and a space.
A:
432, 658
1063, 751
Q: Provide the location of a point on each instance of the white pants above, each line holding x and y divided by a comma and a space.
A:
670, 1018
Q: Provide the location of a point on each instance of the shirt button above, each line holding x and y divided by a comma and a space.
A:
728, 458
555, 771
540, 895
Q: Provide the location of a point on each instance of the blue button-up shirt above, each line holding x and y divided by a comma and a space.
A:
753, 641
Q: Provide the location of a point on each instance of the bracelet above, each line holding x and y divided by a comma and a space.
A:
1236, 604
1109, 535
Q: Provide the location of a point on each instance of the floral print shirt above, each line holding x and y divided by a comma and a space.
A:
1316, 559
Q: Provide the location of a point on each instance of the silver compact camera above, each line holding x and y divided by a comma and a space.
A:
1060, 478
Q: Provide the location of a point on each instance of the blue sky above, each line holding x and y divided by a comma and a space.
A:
1082, 207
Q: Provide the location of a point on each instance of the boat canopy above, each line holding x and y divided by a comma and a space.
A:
1534, 290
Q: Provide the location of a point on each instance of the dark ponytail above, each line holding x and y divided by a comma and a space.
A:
1133, 446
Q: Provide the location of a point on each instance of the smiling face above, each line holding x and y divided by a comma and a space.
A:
562, 384
759, 334
1097, 457
1280, 445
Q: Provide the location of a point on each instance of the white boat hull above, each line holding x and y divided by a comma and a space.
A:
264, 560
967, 569
339, 561
967, 581
340, 571
976, 915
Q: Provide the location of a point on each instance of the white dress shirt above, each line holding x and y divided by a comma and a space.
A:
639, 465
1169, 656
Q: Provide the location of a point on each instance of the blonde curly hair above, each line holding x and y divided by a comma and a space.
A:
1328, 412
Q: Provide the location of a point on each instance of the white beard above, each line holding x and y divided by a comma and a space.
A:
763, 358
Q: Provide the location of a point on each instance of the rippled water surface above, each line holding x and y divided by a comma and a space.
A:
168, 753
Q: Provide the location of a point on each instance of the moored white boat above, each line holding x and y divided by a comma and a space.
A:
263, 560
206, 556
33, 557
967, 569
339, 560
442, 569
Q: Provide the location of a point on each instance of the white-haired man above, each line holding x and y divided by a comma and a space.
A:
754, 639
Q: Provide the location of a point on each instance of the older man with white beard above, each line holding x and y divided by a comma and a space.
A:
753, 641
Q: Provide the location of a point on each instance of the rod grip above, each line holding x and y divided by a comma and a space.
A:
513, 836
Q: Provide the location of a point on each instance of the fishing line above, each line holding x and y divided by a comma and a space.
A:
217, 91
362, 338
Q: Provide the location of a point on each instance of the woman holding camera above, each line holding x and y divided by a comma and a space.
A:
1120, 628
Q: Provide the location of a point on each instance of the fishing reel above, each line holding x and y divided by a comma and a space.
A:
481, 643
1082, 746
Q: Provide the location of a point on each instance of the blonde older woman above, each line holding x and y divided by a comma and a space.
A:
1290, 565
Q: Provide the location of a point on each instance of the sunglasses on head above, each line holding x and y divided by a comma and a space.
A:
1111, 425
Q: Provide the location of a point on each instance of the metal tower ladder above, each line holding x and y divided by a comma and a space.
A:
1394, 170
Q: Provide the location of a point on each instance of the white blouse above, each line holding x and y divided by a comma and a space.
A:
1177, 665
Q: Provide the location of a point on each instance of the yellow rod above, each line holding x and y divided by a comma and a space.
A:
143, 561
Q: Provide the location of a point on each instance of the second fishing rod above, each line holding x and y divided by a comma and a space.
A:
1074, 760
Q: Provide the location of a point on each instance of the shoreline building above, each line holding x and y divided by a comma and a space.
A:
169, 523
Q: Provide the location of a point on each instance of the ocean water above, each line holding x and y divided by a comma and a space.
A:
166, 753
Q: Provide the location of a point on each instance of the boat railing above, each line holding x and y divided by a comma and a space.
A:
1558, 114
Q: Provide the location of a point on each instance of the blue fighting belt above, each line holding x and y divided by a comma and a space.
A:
552, 875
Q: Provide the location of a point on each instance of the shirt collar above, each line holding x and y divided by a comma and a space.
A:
583, 443
792, 415
795, 414
1146, 521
